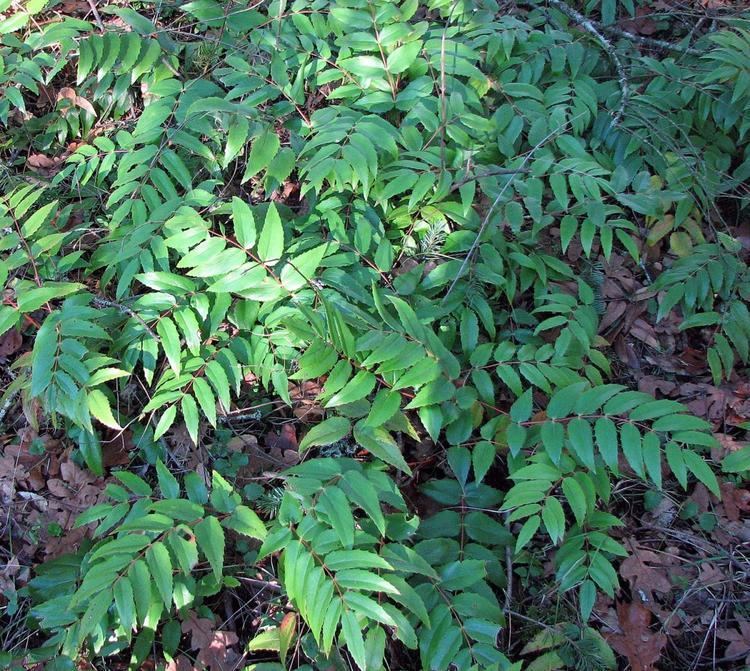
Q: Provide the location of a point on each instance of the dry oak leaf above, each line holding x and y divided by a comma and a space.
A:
212, 645
646, 571
635, 640
739, 641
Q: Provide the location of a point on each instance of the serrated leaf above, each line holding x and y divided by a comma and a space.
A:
354, 390
325, 433
160, 566
210, 537
362, 492
380, 443
271, 240
190, 415
403, 57
100, 409
527, 532
701, 470
355, 642
246, 521
335, 506
553, 517
582, 441
125, 603
576, 498
262, 151
170, 342
300, 269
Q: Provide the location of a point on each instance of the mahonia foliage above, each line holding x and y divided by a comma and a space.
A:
444, 157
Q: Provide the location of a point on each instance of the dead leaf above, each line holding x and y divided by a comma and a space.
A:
10, 342
739, 641
180, 663
67, 93
304, 405
635, 640
646, 571
213, 646
285, 440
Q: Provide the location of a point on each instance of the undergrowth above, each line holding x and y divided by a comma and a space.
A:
220, 202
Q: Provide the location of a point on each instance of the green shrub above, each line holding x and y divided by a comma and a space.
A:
445, 158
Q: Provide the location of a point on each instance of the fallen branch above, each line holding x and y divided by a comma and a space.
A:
11, 398
104, 303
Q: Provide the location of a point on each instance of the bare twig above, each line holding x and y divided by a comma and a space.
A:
97, 16
496, 202
483, 175
648, 41
589, 26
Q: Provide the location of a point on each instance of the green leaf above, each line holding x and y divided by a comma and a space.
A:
35, 221
384, 406
33, 299
91, 449
165, 421
219, 381
701, 470
140, 579
190, 414
178, 509
379, 442
339, 560
205, 399
521, 410
362, 492
134, 483
606, 440
271, 241
160, 565
168, 485
582, 441
327, 432
268, 639
94, 614
652, 457
361, 580
527, 532
236, 138
170, 342
210, 537
630, 441
737, 462
564, 400
368, 607
553, 517
263, 150
586, 598
354, 390
244, 223
575, 498
680, 422
355, 642
403, 57
245, 521
125, 603
335, 506
299, 270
